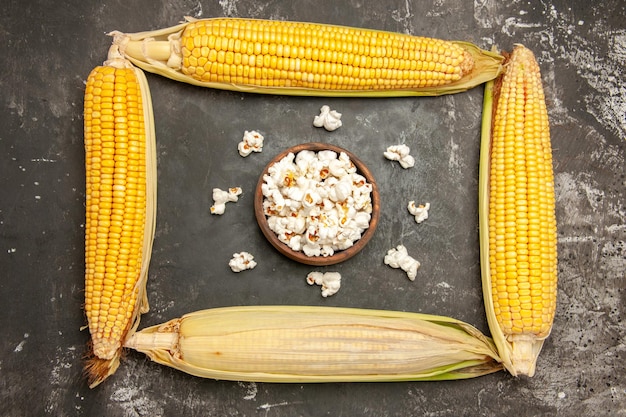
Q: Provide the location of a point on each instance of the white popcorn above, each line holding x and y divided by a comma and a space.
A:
337, 168
328, 208
341, 191
251, 142
330, 282
362, 219
279, 201
304, 159
420, 212
221, 197
326, 155
400, 153
241, 261
398, 257
329, 119
311, 198
312, 249
295, 243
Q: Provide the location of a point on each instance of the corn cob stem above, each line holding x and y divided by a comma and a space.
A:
318, 344
120, 162
294, 58
517, 214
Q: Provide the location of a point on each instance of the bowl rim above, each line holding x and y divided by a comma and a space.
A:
299, 256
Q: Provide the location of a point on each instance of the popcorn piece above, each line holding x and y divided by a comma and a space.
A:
221, 197
252, 142
420, 212
398, 257
241, 261
329, 119
330, 282
400, 153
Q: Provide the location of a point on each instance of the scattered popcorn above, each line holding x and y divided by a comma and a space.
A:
330, 282
399, 258
329, 119
420, 212
241, 261
252, 142
400, 153
316, 202
221, 197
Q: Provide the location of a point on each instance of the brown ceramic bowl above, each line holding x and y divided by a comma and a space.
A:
339, 255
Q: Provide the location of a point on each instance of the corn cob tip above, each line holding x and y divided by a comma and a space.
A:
159, 49
96, 369
115, 58
524, 354
107, 349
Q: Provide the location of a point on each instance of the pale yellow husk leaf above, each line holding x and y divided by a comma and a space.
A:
318, 344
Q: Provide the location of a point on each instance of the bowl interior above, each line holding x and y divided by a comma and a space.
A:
340, 255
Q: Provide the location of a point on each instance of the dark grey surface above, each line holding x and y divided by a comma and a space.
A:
50, 47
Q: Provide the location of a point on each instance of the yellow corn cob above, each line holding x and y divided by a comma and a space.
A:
318, 344
279, 57
517, 214
120, 207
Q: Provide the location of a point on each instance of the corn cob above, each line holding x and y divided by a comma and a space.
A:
318, 344
294, 58
120, 207
517, 214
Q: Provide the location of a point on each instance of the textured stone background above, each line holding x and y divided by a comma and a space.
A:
49, 49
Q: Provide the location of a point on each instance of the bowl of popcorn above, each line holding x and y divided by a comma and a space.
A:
317, 204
